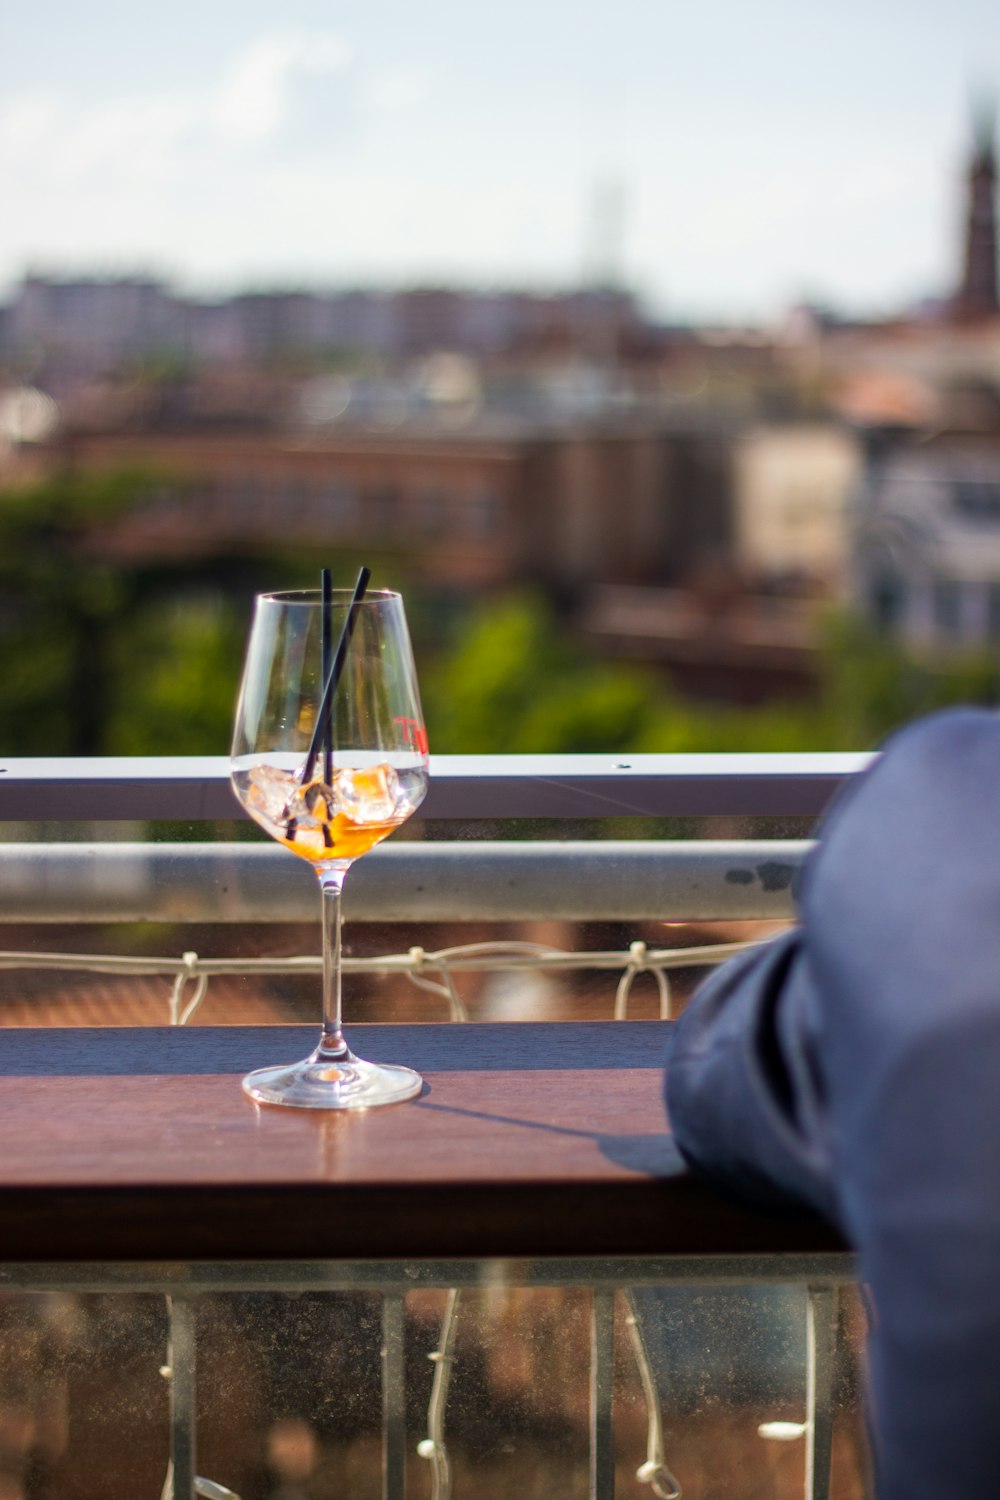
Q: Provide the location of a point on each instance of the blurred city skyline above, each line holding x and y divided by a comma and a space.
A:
723, 163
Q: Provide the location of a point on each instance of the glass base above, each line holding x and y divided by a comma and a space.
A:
344, 1083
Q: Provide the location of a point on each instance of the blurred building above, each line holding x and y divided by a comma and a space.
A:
715, 640
74, 326
70, 327
794, 489
928, 558
563, 506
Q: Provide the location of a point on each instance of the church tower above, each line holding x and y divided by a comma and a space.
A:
978, 295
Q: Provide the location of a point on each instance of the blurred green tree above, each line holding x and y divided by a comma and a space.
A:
514, 684
871, 684
104, 654
58, 600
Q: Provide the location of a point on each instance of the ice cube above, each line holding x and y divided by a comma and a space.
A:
311, 805
368, 796
411, 791
270, 792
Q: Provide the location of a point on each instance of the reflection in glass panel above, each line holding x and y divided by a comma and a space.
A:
289, 1389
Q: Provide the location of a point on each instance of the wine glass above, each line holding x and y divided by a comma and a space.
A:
330, 774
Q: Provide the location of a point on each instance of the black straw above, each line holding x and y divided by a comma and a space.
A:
333, 677
326, 591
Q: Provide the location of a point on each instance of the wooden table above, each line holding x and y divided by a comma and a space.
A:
529, 1140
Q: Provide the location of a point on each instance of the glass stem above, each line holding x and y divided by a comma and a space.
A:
332, 1044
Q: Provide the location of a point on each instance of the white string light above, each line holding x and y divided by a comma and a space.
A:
433, 1447
446, 986
654, 1471
638, 963
192, 972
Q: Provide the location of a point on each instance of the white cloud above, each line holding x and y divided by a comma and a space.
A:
147, 135
25, 123
393, 90
254, 98
130, 137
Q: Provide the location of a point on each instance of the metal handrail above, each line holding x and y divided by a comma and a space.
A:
462, 786
616, 880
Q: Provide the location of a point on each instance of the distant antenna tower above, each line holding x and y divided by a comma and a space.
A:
603, 257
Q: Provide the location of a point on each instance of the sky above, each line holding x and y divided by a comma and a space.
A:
724, 160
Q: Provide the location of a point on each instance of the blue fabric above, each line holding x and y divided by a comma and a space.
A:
853, 1067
